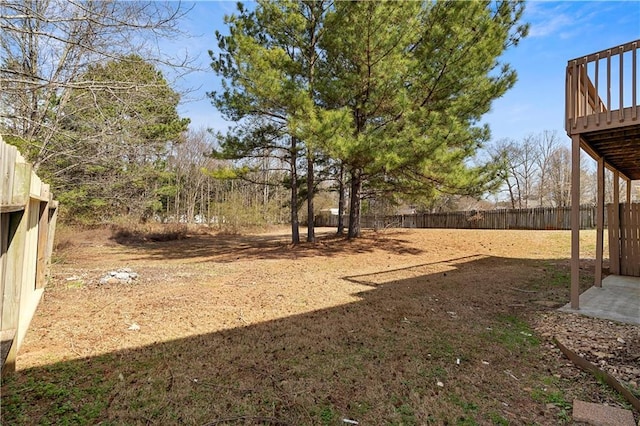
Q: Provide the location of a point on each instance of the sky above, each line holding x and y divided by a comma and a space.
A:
559, 32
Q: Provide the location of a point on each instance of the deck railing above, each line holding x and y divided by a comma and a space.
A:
602, 88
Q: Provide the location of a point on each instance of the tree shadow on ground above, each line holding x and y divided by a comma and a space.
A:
229, 248
422, 345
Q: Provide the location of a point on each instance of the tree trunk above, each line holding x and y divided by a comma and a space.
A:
341, 200
511, 195
190, 210
354, 211
177, 203
311, 236
208, 200
295, 226
314, 8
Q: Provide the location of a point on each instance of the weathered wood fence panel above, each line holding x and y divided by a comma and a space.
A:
27, 223
536, 218
624, 239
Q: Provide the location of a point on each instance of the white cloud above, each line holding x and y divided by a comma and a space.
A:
549, 27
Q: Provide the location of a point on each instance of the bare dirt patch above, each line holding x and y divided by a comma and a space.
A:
398, 327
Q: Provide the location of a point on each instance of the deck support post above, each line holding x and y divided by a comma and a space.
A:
575, 222
614, 225
599, 223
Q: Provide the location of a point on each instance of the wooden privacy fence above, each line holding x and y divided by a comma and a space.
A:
27, 224
624, 239
536, 218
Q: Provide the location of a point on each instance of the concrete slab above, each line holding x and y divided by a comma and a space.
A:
618, 299
601, 415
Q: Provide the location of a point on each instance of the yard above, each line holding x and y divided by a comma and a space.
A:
399, 327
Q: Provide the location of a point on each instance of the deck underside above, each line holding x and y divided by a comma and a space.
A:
605, 135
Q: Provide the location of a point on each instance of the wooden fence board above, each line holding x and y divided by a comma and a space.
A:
13, 274
629, 239
624, 239
8, 156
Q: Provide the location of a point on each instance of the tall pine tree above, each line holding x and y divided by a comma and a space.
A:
417, 78
269, 64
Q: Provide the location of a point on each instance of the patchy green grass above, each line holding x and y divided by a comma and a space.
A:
558, 399
513, 333
64, 395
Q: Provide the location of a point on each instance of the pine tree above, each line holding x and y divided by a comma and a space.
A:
417, 78
269, 64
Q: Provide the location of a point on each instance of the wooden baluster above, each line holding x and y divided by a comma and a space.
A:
575, 88
634, 88
567, 97
621, 112
609, 86
596, 101
585, 93
570, 96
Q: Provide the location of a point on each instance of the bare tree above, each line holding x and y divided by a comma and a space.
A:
528, 171
538, 168
189, 161
546, 144
559, 173
47, 45
520, 173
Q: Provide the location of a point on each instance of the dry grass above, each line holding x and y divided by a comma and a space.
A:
400, 327
145, 232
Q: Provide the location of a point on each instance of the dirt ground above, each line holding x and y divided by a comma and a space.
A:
397, 327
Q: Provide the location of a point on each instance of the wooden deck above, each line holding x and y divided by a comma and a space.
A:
601, 82
602, 106
601, 117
